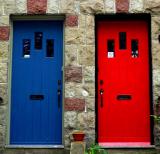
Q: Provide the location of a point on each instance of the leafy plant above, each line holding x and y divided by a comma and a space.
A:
156, 118
95, 149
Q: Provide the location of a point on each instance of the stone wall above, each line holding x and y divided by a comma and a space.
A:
4, 53
79, 102
153, 7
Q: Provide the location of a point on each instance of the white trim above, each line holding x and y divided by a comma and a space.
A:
36, 146
126, 145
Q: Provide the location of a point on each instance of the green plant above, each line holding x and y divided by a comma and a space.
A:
95, 149
156, 118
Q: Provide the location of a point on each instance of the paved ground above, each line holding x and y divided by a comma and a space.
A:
133, 151
60, 151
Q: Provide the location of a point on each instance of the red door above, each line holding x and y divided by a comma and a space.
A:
123, 83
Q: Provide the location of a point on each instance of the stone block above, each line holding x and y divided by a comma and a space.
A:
122, 6
155, 54
87, 55
21, 6
152, 6
70, 119
4, 20
3, 51
3, 93
90, 138
53, 6
136, 6
90, 36
9, 7
86, 21
36, 7
157, 110
86, 120
110, 6
156, 90
90, 103
3, 113
73, 74
90, 30
71, 20
92, 7
89, 74
155, 31
71, 52
67, 6
2, 135
67, 139
3, 72
79, 90
156, 77
4, 33
73, 90
157, 135
74, 104
74, 35
90, 88
156, 84
1, 7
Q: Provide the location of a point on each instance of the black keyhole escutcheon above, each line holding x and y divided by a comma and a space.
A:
59, 97
101, 96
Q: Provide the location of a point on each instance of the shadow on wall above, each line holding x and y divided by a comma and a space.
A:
1, 100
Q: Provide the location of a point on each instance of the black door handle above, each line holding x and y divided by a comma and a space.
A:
59, 97
101, 95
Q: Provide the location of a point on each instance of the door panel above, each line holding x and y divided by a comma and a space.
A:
36, 116
123, 82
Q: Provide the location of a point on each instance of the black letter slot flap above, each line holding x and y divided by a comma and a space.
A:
36, 97
124, 97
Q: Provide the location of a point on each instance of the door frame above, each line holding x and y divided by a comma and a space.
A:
125, 17
31, 18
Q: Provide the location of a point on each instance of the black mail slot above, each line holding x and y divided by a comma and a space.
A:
36, 97
124, 97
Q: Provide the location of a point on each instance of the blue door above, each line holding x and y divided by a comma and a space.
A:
36, 89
